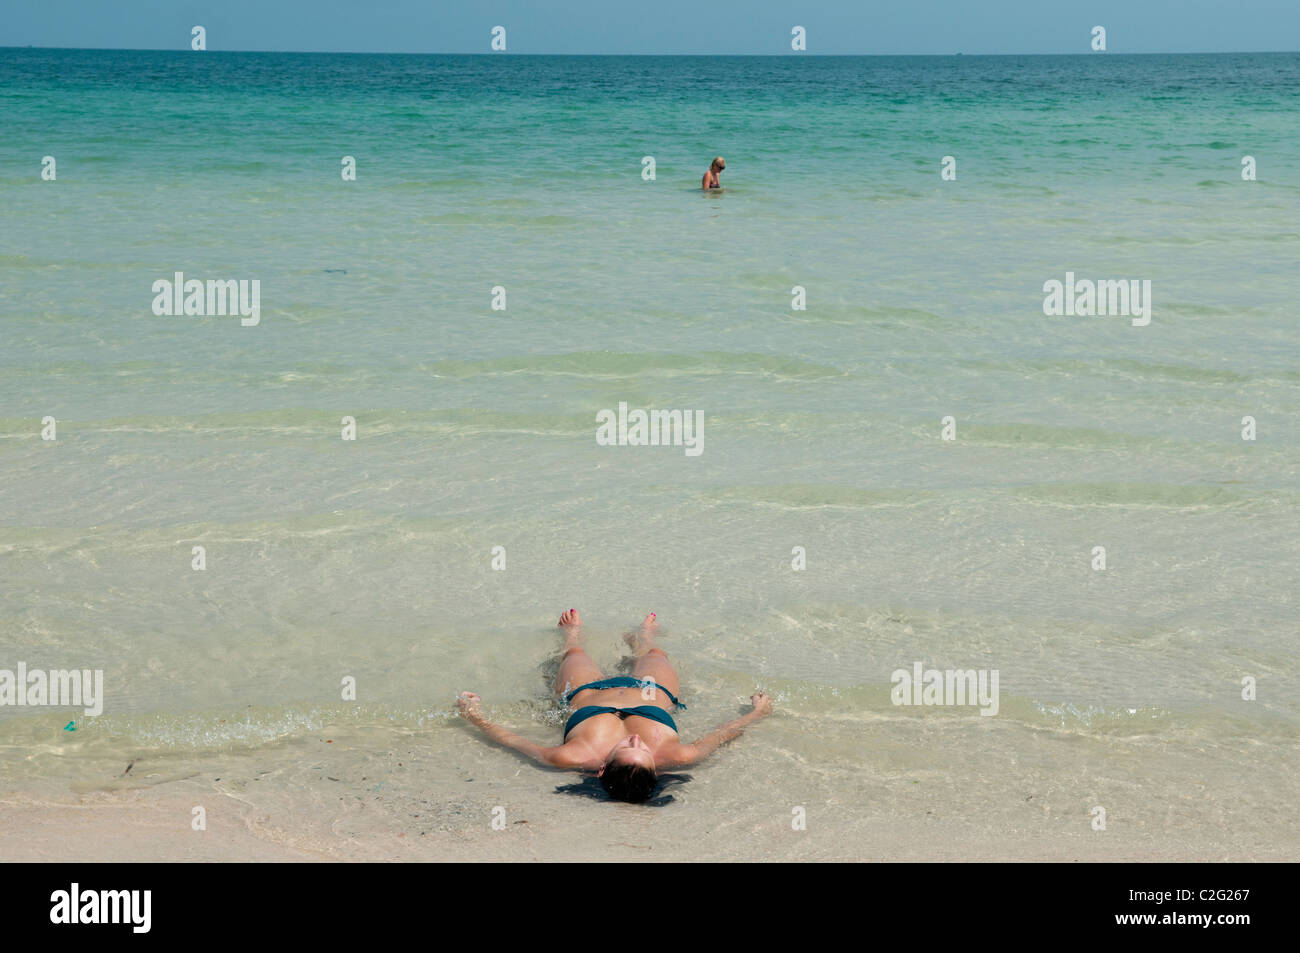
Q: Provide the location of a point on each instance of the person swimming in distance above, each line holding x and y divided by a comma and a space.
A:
621, 727
711, 180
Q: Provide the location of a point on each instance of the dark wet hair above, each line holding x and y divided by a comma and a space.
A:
596, 788
629, 782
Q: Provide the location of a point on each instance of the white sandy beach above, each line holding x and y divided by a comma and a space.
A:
360, 796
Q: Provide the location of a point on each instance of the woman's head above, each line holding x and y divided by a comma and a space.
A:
628, 773
622, 779
628, 782
718, 164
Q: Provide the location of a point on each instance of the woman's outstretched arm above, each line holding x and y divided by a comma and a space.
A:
468, 703
720, 736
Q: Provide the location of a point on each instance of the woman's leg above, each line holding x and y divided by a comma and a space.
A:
576, 666
652, 661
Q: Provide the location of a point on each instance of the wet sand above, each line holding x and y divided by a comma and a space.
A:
380, 795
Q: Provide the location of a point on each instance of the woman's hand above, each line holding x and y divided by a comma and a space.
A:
468, 704
762, 702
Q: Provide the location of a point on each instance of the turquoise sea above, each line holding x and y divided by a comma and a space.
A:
373, 559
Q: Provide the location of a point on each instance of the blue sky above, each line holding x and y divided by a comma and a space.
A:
661, 26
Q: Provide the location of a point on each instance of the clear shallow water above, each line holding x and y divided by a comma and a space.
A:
372, 558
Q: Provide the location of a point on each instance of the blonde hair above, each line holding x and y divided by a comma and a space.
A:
720, 162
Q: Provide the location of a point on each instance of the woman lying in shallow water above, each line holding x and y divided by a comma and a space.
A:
621, 727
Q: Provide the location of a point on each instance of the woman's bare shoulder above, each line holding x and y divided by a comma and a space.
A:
574, 755
676, 755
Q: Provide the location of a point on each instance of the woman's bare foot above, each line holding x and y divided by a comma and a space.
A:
643, 638
571, 623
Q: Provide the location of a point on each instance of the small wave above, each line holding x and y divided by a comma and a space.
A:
803, 496
1130, 494
611, 364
